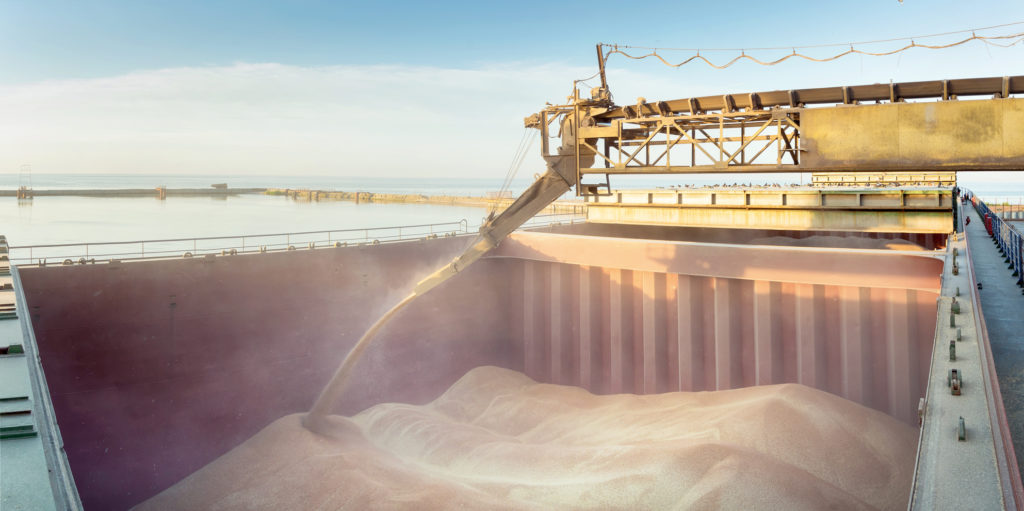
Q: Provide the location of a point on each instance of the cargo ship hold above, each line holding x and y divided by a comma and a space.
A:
131, 367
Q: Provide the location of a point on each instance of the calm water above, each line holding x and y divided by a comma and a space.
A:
426, 186
47, 220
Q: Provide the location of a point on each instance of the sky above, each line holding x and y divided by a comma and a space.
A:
403, 89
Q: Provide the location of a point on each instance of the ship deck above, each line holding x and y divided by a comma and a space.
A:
962, 423
564, 286
1001, 303
24, 476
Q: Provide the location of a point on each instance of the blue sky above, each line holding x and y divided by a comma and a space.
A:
75, 39
261, 87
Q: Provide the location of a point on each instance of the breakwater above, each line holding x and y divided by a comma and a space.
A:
562, 206
159, 192
565, 206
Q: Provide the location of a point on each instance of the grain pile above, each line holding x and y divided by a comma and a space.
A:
497, 439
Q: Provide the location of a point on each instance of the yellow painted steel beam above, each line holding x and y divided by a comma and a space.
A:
959, 135
741, 217
1002, 86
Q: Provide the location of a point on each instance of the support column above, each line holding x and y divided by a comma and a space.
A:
853, 343
615, 332
530, 320
901, 402
728, 359
585, 331
767, 351
555, 340
653, 319
690, 349
810, 353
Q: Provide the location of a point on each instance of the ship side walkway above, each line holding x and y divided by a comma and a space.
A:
1002, 305
24, 475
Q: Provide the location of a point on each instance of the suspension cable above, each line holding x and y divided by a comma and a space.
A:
525, 144
991, 40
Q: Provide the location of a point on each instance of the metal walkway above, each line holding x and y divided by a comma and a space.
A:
24, 475
1002, 304
34, 473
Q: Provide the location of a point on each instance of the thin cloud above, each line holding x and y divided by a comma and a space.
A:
274, 119
381, 121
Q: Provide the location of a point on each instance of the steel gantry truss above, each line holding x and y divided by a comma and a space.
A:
832, 129
745, 140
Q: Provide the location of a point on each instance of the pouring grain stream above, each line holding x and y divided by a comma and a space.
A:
545, 190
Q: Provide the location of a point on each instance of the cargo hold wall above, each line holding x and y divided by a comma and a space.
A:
158, 367
645, 317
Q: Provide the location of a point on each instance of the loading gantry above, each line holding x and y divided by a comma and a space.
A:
824, 130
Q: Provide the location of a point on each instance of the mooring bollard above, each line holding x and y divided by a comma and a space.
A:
955, 376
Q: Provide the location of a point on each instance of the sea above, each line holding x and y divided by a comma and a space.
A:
68, 220
127, 227
64, 219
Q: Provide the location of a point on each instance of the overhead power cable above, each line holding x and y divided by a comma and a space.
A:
1014, 39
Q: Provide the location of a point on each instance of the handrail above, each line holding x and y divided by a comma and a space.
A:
1006, 237
196, 246
90, 252
462, 223
1010, 242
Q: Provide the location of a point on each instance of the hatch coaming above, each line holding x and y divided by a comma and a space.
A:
199, 354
